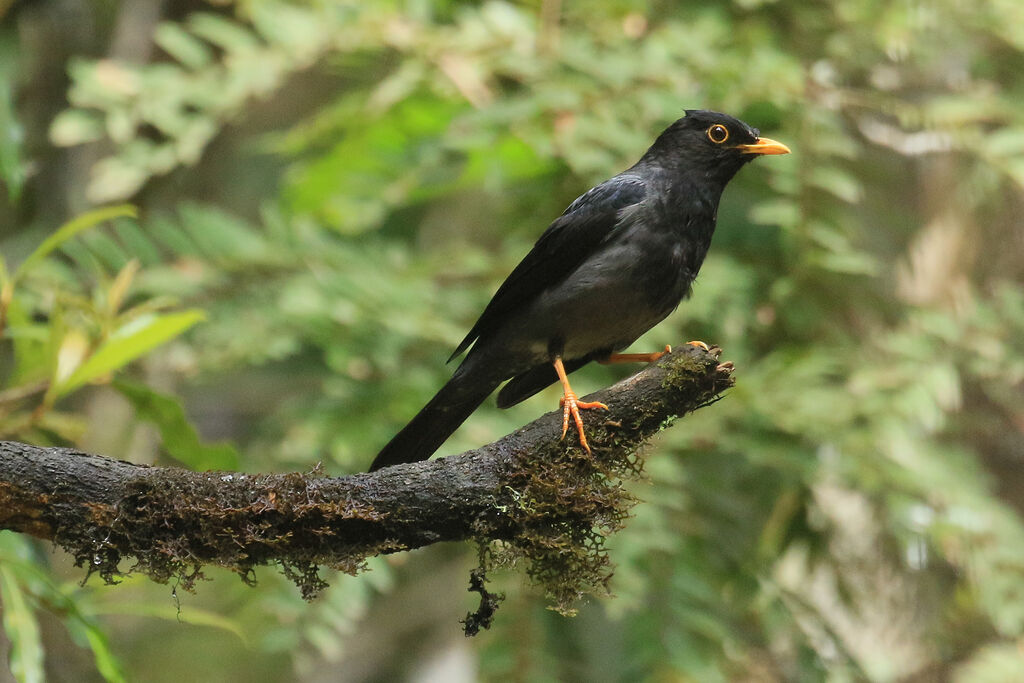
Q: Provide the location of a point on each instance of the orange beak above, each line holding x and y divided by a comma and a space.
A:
764, 146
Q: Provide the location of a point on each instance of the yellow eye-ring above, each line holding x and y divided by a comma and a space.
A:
718, 133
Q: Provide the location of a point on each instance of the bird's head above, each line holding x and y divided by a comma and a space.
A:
711, 144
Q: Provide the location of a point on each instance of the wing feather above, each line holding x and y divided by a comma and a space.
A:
573, 236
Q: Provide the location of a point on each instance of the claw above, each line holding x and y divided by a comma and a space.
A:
699, 345
571, 405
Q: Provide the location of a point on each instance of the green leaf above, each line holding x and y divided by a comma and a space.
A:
783, 211
12, 166
16, 556
22, 630
75, 127
69, 230
191, 615
178, 435
84, 627
1015, 169
224, 33
128, 343
108, 665
838, 182
115, 178
182, 45
992, 664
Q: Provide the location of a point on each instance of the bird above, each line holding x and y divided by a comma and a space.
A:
616, 263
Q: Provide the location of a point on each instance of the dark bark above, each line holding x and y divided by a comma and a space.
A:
172, 521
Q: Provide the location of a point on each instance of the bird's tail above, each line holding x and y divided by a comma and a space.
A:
418, 440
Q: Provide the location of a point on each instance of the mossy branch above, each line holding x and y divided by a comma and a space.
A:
538, 497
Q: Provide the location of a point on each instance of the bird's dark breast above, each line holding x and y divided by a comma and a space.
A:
668, 280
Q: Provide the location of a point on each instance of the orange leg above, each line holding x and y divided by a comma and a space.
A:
645, 357
571, 405
635, 357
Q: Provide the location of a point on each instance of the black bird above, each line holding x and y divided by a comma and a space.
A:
614, 265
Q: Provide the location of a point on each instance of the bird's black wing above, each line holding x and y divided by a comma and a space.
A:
574, 235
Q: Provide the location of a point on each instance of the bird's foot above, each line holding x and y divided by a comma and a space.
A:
699, 345
571, 405
636, 357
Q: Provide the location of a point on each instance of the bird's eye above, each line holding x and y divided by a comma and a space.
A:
718, 133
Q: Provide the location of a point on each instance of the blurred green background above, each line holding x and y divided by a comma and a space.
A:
327, 194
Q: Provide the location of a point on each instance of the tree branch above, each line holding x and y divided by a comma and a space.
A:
544, 499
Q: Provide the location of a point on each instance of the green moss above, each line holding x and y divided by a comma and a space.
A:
173, 527
566, 502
